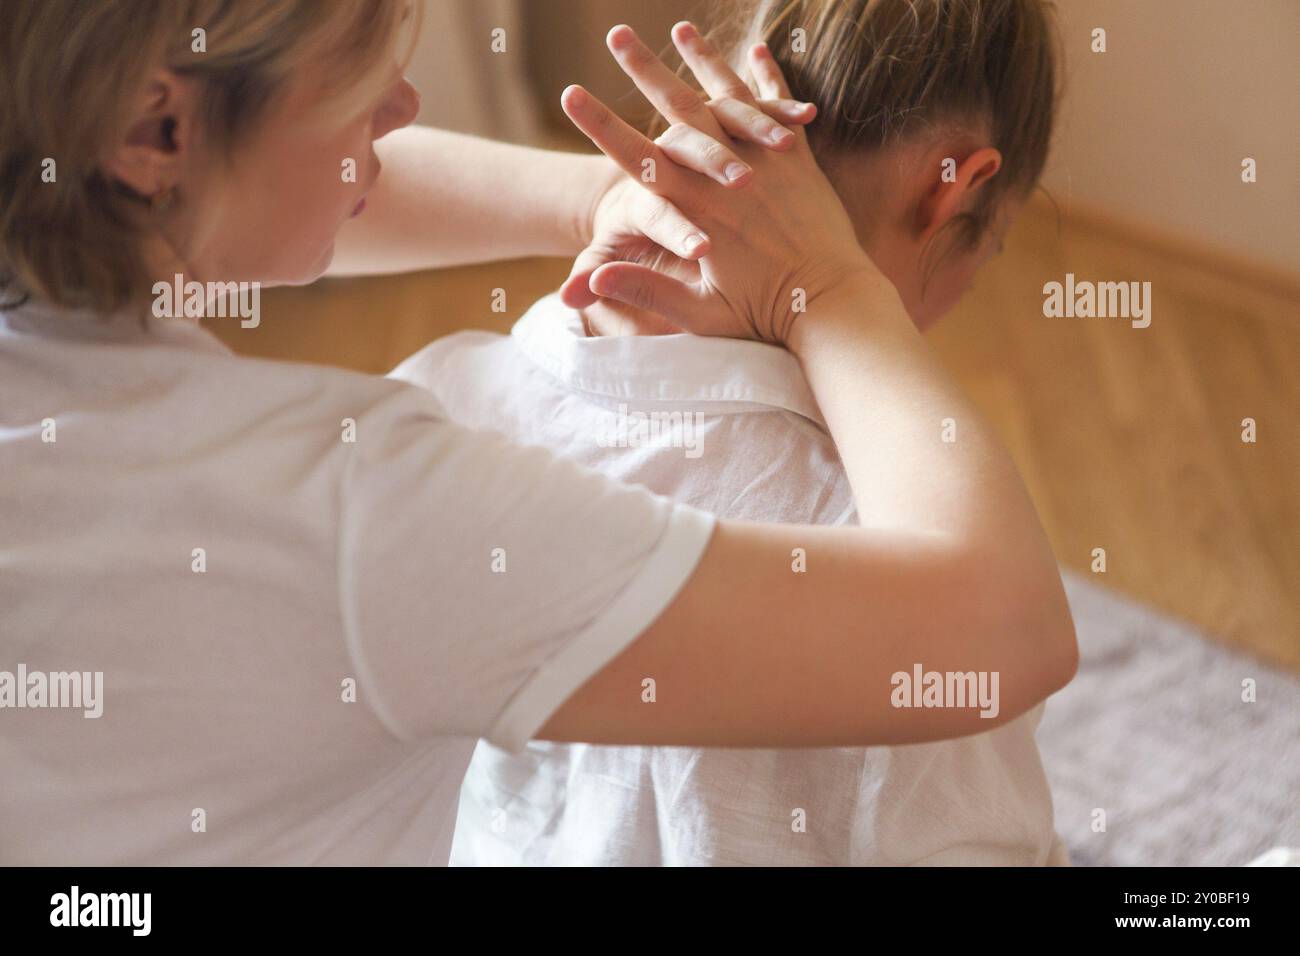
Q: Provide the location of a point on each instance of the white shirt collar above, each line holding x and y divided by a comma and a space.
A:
662, 368
38, 317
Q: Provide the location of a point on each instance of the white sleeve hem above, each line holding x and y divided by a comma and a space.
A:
669, 566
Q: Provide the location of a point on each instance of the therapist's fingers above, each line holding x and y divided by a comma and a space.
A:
575, 291
615, 319
631, 151
667, 92
709, 66
677, 302
653, 217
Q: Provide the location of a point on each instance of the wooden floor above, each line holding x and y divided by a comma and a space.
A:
1129, 439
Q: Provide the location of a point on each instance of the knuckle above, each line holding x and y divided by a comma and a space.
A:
762, 124
643, 151
684, 100
673, 135
656, 215
737, 90
714, 153
637, 54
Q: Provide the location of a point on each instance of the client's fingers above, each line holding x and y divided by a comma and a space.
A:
679, 103
671, 299
695, 150
709, 66
767, 73
667, 92
794, 112
629, 150
771, 81
758, 124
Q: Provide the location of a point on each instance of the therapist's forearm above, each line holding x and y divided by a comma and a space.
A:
447, 199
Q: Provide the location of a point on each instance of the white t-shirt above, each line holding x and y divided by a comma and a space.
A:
307, 594
731, 427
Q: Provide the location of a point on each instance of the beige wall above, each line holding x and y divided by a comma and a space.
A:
1156, 128
567, 45
466, 86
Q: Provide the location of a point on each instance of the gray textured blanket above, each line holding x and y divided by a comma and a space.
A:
1154, 732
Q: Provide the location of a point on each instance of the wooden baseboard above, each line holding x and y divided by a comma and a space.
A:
1105, 221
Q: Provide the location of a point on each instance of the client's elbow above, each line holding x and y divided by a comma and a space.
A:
1040, 634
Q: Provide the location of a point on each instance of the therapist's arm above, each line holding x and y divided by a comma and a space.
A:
447, 199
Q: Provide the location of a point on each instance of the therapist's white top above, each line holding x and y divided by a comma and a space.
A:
330, 569
758, 451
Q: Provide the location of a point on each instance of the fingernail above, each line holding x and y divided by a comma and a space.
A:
735, 171
780, 135
693, 242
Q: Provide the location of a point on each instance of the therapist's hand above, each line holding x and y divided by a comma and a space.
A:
776, 244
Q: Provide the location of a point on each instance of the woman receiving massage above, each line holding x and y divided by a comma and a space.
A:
309, 592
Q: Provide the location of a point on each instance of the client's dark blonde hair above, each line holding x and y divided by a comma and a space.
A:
70, 72
881, 70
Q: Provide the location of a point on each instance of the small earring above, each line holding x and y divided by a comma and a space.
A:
162, 200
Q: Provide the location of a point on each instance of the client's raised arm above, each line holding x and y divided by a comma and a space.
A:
950, 569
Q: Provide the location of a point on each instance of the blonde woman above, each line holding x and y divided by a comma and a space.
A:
259, 612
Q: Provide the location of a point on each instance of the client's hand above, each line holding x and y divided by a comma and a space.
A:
631, 224
775, 244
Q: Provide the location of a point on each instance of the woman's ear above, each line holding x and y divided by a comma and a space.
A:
159, 135
958, 185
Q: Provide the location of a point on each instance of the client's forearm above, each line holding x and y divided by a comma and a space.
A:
447, 199
918, 455
920, 458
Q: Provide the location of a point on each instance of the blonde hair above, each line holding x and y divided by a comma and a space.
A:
71, 73
881, 70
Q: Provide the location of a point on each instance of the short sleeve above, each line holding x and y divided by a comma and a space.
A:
482, 582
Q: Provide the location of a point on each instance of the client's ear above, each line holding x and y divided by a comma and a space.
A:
957, 189
159, 135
